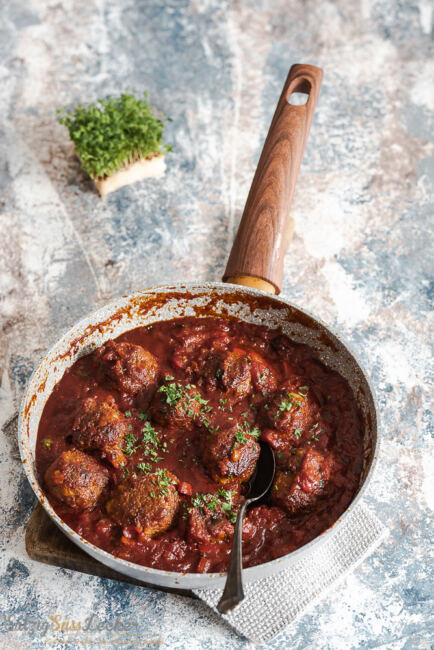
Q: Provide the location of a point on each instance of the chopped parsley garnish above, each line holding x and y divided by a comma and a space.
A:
240, 437
291, 402
226, 504
144, 467
142, 415
244, 430
197, 398
263, 376
130, 444
176, 391
150, 436
221, 499
162, 480
128, 414
211, 501
286, 405
297, 432
173, 392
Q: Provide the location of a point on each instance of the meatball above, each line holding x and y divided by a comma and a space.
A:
263, 377
131, 368
148, 502
238, 372
212, 516
195, 344
100, 426
229, 371
76, 479
300, 489
178, 405
231, 453
233, 371
292, 411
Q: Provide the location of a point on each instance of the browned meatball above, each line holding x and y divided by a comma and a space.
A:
178, 405
148, 502
231, 453
227, 370
299, 489
238, 372
130, 367
194, 344
233, 371
263, 378
292, 411
100, 426
76, 479
212, 516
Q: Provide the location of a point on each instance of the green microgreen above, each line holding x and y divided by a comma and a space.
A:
113, 132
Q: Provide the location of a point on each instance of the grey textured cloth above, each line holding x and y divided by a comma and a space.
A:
272, 603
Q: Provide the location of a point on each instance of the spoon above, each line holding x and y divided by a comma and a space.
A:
233, 592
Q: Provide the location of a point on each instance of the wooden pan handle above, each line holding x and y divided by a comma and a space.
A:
258, 251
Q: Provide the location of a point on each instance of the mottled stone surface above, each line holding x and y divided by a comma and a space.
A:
360, 259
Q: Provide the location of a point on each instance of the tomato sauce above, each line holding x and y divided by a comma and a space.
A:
272, 384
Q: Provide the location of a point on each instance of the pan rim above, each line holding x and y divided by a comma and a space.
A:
200, 580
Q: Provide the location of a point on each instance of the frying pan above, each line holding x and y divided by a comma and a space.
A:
252, 278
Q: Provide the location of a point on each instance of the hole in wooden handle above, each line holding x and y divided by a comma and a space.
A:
298, 99
298, 94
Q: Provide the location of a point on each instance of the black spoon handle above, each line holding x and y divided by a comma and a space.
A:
233, 592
